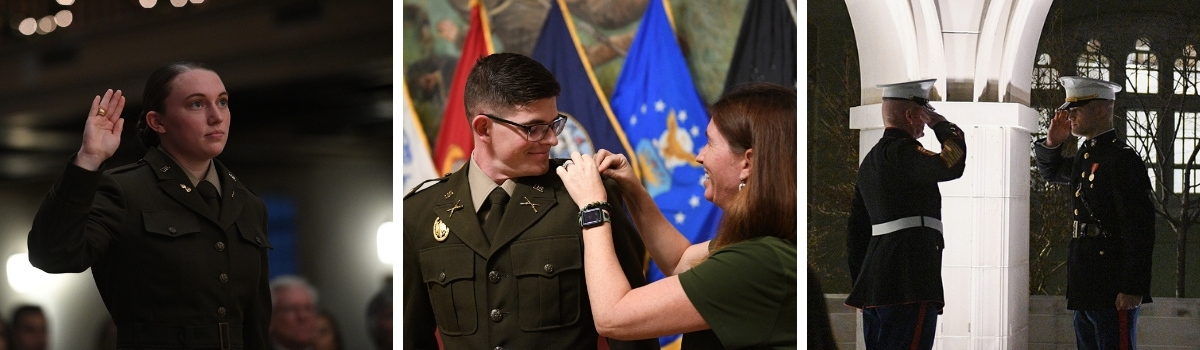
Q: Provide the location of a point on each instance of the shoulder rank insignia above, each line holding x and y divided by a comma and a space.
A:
440, 231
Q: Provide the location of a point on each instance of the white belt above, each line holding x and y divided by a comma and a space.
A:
903, 223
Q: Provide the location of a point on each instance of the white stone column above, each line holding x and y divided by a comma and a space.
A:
985, 266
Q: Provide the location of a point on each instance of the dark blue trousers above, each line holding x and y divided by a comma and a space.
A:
1108, 329
904, 326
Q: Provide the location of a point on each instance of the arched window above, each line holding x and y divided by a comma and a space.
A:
1140, 133
1141, 68
1187, 72
1187, 135
1091, 63
1045, 76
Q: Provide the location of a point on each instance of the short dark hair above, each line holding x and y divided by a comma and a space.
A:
158, 87
505, 81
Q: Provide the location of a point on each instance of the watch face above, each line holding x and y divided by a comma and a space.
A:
592, 216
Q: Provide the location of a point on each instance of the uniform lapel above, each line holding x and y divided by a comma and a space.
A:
231, 196
530, 201
456, 210
175, 184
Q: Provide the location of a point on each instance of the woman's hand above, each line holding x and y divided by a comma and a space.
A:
102, 131
617, 167
582, 180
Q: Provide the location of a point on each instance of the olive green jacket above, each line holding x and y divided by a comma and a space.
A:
169, 269
523, 288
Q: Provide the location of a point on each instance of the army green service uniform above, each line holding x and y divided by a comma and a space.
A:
524, 287
173, 273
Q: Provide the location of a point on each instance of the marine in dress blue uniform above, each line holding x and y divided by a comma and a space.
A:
1108, 269
894, 235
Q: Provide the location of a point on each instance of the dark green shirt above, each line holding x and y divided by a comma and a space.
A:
747, 293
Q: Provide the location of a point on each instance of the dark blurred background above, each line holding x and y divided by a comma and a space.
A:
311, 97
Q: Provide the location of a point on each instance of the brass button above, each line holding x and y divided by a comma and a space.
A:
548, 268
442, 277
1076, 211
499, 348
496, 315
1085, 156
1101, 252
171, 229
224, 278
494, 277
220, 246
258, 240
221, 312
1083, 174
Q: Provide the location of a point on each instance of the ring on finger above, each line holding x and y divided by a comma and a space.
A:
101, 112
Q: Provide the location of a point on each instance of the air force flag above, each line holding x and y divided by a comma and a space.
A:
665, 121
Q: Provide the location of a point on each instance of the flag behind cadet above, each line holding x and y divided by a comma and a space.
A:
766, 45
454, 141
592, 125
418, 166
665, 121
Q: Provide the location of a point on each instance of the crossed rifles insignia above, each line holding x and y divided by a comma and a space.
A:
441, 231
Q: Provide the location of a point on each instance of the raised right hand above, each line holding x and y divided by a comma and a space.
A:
102, 131
1060, 129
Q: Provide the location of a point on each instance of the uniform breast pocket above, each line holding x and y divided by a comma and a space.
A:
448, 272
253, 234
549, 275
170, 223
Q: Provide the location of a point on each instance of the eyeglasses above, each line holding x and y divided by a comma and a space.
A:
536, 132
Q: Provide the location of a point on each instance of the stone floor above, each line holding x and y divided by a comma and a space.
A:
1165, 324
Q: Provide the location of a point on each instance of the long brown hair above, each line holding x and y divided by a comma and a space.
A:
762, 117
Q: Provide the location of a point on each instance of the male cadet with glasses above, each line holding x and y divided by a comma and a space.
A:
493, 253
894, 235
1108, 269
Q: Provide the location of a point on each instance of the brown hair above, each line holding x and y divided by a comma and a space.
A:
158, 87
762, 117
505, 81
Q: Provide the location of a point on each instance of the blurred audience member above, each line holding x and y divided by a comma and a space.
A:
329, 337
3, 336
29, 328
379, 317
294, 307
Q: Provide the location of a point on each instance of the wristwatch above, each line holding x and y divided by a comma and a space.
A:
594, 214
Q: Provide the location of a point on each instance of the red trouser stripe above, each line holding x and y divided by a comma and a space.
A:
916, 343
1124, 324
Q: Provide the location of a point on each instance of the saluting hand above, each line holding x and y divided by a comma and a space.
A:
932, 118
582, 180
102, 131
1060, 129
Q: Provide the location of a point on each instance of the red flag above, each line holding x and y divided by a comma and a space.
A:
454, 141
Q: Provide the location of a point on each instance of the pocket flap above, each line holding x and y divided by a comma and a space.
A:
254, 234
170, 223
445, 264
547, 256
